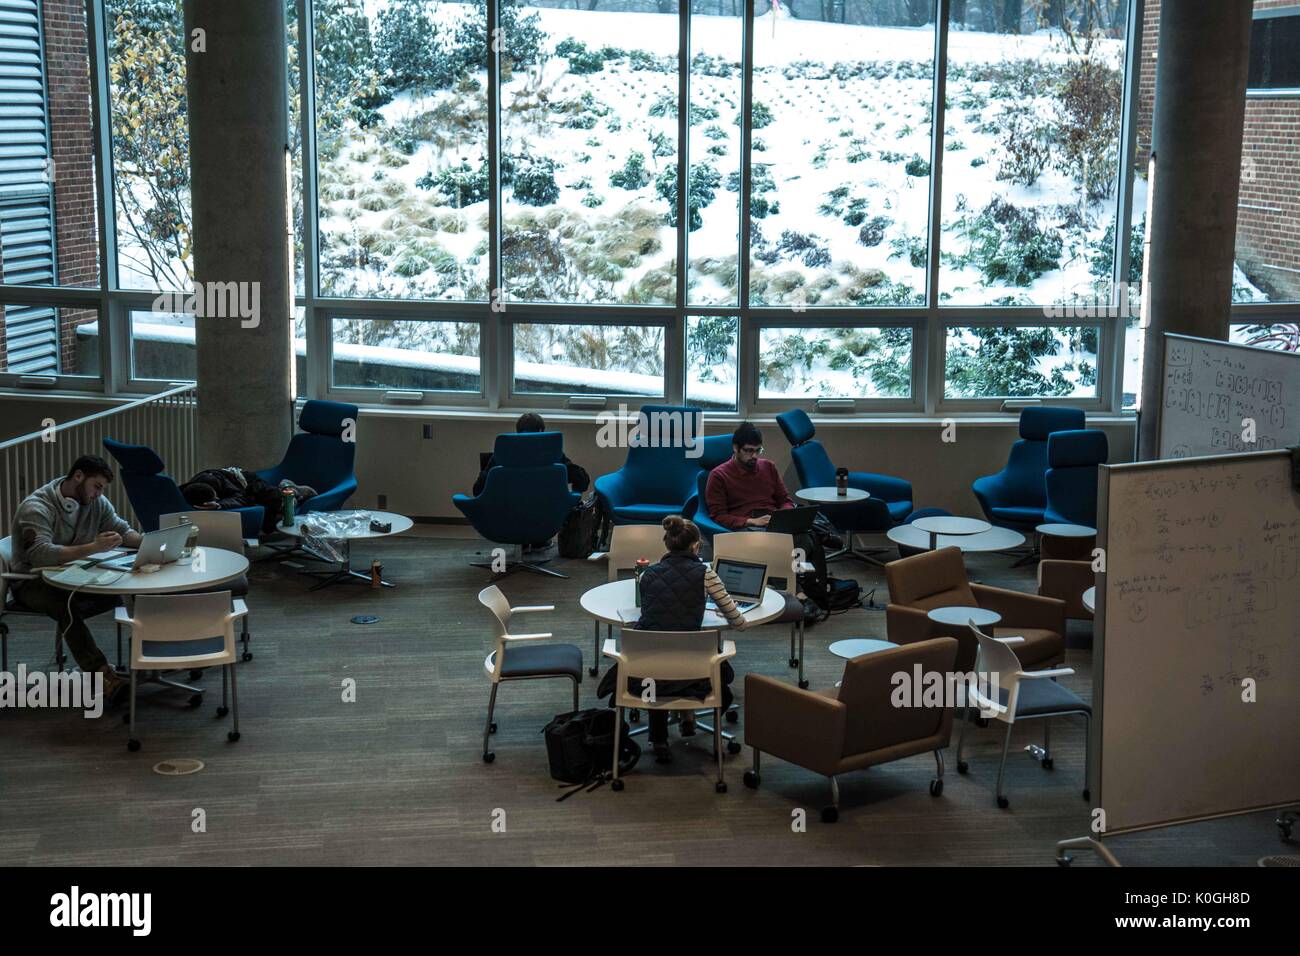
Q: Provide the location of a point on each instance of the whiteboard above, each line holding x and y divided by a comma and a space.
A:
1201, 592
1210, 386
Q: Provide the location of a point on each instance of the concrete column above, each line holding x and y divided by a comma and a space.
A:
238, 116
1200, 110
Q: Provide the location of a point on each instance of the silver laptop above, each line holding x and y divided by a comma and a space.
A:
743, 580
156, 547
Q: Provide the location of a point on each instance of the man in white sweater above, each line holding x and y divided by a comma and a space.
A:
66, 520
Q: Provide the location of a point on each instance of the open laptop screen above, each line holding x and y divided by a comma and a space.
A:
742, 578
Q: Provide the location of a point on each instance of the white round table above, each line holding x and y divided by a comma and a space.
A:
216, 567
950, 525
605, 601
994, 539
958, 616
856, 647
1065, 530
829, 495
1090, 599
303, 523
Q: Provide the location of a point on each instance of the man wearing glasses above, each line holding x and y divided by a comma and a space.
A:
744, 490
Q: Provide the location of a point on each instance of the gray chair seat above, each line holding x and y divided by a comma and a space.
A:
1038, 697
538, 660
793, 612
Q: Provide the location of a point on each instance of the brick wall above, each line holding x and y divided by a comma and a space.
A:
1268, 211
67, 70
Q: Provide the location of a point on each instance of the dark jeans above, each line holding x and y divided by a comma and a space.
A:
658, 733
53, 602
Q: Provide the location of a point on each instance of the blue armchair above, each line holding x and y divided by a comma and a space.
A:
154, 493
1016, 496
654, 482
319, 457
891, 498
525, 499
1071, 480
697, 508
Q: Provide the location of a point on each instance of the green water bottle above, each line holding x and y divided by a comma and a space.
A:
287, 501
641, 565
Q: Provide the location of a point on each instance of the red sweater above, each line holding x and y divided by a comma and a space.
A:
733, 492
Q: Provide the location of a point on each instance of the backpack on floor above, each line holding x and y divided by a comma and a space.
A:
827, 595
577, 537
580, 745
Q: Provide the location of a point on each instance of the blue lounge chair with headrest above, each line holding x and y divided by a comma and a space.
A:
154, 493
525, 497
890, 503
1016, 496
658, 477
321, 456
1071, 480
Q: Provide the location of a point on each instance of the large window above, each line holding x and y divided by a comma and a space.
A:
851, 362
996, 361
400, 355
588, 359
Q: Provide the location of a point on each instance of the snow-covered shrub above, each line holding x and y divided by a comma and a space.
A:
592, 199
872, 233
1008, 245
406, 41
717, 149
462, 184
911, 246
534, 181
581, 60
977, 161
1026, 143
714, 131
916, 166
1087, 128
633, 175
809, 248
760, 115
857, 211
524, 36
954, 146
889, 156
701, 187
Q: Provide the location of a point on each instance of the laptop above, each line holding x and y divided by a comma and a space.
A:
743, 580
798, 520
156, 547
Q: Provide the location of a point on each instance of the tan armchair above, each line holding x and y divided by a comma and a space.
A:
855, 725
1065, 572
935, 579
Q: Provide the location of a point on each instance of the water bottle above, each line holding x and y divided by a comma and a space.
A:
287, 502
641, 565
842, 482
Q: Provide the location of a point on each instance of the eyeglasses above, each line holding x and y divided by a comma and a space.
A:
751, 450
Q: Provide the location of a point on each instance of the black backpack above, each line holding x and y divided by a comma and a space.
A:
577, 537
580, 745
827, 594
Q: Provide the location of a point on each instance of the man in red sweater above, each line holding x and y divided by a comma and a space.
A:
745, 484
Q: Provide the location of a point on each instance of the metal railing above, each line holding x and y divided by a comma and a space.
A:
165, 422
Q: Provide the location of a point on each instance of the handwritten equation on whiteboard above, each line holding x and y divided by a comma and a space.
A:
1211, 390
1183, 557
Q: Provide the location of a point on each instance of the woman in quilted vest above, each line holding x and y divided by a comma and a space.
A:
673, 594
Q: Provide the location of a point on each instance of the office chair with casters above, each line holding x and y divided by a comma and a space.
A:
1022, 695
525, 499
1073, 458
154, 493
854, 726
218, 529
936, 579
1016, 496
669, 656
522, 656
628, 543
320, 456
654, 482
179, 632
890, 502
776, 550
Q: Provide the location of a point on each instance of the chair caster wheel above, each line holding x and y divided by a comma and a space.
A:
233, 736
1003, 803
593, 671
752, 780
222, 711
794, 662
616, 784
720, 787
133, 745
488, 756
830, 814
936, 788
803, 685
195, 700
733, 716
1064, 860
248, 656
962, 766
981, 721
1047, 763
1087, 794
733, 747
195, 674
492, 727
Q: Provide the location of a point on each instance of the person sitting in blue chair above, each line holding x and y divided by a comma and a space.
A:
743, 491
529, 422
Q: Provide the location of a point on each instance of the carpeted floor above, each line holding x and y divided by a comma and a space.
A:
396, 777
